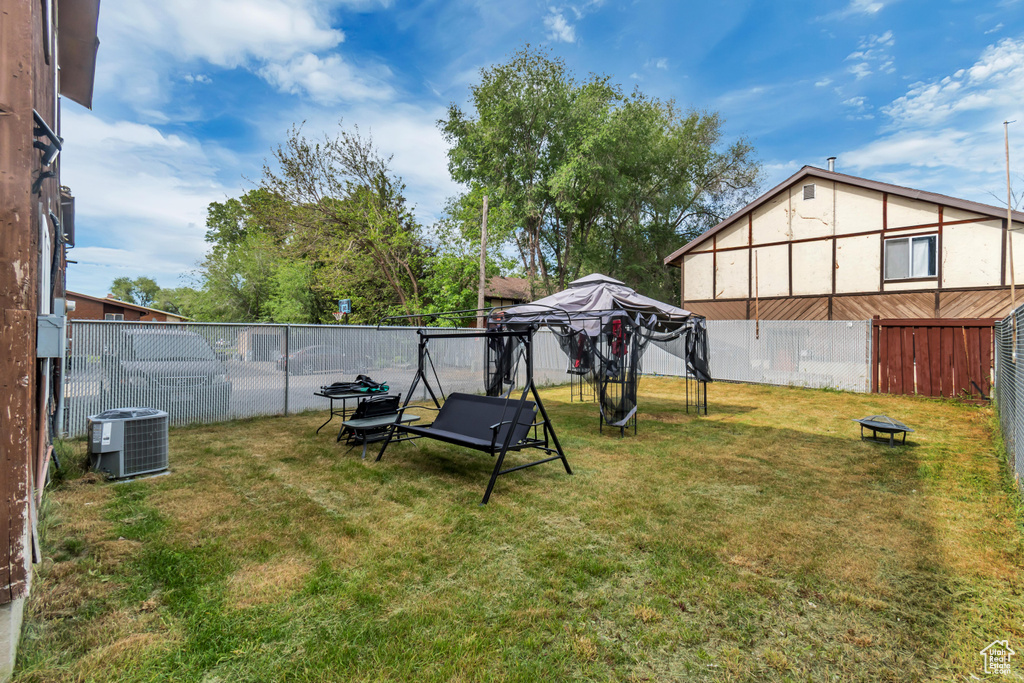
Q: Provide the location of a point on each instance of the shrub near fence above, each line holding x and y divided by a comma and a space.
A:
205, 372
1009, 389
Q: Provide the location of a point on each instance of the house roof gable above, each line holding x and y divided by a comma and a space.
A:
814, 172
124, 304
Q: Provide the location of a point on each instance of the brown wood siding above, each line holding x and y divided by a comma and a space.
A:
967, 303
809, 308
993, 303
719, 310
892, 305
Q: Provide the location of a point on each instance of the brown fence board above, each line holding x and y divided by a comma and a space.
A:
933, 357
986, 361
909, 384
922, 347
935, 360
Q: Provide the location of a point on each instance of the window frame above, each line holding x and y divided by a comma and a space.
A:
911, 277
812, 188
114, 317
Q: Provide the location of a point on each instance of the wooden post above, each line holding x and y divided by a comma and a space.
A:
483, 261
757, 309
1009, 239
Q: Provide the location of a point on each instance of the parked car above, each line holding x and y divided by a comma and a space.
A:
172, 370
314, 358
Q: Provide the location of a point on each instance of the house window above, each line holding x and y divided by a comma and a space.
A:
911, 257
808, 191
113, 316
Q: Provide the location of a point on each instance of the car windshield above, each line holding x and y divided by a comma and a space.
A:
170, 347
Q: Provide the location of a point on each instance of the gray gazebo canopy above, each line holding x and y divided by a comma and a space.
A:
604, 327
591, 301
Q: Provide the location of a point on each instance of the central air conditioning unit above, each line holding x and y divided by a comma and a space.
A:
128, 442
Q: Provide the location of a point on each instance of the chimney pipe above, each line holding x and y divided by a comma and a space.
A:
832, 164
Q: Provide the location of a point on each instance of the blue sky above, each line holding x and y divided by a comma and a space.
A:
192, 95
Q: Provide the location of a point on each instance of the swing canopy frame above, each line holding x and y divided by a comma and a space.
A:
491, 424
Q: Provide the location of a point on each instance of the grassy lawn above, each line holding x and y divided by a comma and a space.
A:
764, 541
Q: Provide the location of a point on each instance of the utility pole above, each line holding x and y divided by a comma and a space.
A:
483, 261
1009, 237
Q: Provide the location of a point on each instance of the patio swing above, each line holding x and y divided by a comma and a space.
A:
494, 424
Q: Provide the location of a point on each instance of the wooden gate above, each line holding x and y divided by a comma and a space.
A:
933, 357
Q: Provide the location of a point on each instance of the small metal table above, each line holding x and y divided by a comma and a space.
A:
344, 398
885, 425
362, 430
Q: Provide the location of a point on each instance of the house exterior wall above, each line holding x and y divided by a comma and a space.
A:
90, 308
32, 268
832, 246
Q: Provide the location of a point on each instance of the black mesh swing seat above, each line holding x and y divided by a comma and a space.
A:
489, 424
482, 423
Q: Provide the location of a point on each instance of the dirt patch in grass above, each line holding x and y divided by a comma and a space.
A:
267, 582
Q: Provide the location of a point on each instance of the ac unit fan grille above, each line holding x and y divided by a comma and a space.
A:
145, 445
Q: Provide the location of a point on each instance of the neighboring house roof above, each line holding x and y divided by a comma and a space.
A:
124, 304
508, 288
813, 172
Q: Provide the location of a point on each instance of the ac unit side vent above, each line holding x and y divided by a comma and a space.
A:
145, 445
809, 191
129, 442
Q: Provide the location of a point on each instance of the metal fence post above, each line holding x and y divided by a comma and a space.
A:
287, 338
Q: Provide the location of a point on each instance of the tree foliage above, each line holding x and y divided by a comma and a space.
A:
587, 178
329, 220
141, 291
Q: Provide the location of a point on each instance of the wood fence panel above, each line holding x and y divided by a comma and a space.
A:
933, 357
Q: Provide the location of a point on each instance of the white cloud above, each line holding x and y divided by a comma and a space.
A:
659, 63
141, 200
197, 78
226, 33
823, 82
860, 70
995, 28
292, 44
867, 8
872, 55
328, 80
945, 135
558, 28
864, 7
993, 83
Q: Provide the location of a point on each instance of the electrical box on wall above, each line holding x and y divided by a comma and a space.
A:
50, 336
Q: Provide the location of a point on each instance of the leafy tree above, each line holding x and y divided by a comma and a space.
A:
341, 207
589, 178
141, 291
122, 288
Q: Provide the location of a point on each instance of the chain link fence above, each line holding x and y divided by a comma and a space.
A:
208, 372
832, 354
1009, 389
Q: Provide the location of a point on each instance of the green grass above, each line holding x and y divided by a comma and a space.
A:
764, 541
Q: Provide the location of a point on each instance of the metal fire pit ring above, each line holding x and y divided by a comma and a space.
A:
885, 425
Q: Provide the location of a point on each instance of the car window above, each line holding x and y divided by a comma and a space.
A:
170, 347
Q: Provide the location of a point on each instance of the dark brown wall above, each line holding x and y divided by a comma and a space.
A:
26, 83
